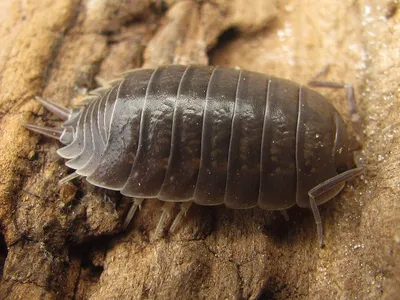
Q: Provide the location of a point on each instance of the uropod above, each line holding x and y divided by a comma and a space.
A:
208, 135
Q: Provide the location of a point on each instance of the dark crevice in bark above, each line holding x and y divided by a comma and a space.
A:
3, 254
227, 36
272, 289
89, 252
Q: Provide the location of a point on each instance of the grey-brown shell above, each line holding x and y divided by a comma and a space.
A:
209, 134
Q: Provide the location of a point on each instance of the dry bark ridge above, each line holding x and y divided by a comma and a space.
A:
64, 242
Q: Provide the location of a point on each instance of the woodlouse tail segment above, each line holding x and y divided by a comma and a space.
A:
327, 190
135, 205
54, 133
184, 207
56, 109
65, 136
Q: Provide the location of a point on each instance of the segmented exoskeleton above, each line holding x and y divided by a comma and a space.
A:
210, 135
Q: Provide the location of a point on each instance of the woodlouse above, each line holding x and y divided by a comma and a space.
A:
210, 135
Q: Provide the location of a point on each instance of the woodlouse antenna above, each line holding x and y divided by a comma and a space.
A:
54, 133
356, 122
318, 222
323, 189
56, 109
351, 100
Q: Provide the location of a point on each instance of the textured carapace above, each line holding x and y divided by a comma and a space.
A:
211, 135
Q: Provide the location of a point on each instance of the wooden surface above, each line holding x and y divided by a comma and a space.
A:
66, 242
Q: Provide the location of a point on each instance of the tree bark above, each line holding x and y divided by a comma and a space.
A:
66, 242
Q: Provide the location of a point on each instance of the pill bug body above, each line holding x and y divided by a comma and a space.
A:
211, 135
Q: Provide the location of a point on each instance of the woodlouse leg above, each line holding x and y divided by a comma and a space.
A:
128, 72
136, 203
285, 215
103, 83
100, 91
324, 187
56, 109
68, 178
166, 210
88, 99
183, 210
